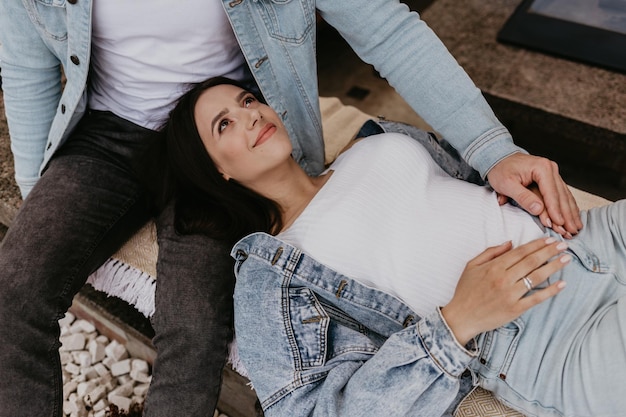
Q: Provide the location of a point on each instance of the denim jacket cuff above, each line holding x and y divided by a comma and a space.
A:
492, 147
442, 346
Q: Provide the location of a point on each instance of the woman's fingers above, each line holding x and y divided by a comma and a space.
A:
524, 258
540, 275
539, 296
534, 258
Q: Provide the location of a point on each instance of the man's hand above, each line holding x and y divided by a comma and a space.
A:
554, 204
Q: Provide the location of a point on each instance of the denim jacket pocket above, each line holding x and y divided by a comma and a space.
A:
288, 20
309, 328
50, 17
347, 335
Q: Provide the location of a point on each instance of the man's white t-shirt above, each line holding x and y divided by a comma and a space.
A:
146, 52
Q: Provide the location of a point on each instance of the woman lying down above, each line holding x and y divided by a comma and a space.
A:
386, 287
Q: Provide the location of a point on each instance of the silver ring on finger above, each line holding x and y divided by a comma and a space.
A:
528, 283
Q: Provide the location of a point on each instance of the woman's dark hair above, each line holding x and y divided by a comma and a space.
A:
204, 201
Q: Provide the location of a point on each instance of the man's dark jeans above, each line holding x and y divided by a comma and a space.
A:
85, 206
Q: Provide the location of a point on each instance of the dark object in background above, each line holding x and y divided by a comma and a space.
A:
570, 30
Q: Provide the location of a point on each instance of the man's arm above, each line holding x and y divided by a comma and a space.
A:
413, 59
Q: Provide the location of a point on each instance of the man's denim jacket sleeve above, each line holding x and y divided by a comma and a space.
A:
318, 343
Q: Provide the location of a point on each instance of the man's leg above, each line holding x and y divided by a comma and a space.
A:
83, 208
192, 322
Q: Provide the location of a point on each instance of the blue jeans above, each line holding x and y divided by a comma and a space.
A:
85, 206
567, 356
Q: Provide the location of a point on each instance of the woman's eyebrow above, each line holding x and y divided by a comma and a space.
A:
224, 111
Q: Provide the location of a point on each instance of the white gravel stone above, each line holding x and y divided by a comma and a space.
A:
96, 350
69, 388
108, 361
139, 376
89, 372
122, 403
122, 379
66, 357
125, 390
98, 372
82, 326
141, 390
100, 405
116, 351
84, 388
71, 342
83, 358
72, 368
101, 369
95, 395
120, 368
67, 320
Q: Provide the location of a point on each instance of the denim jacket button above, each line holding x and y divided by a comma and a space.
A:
260, 62
72, 1
75, 60
276, 257
502, 376
62, 108
408, 321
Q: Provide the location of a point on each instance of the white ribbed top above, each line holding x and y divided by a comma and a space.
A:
392, 219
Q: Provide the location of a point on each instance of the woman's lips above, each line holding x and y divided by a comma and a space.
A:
265, 133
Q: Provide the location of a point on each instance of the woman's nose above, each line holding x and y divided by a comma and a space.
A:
253, 117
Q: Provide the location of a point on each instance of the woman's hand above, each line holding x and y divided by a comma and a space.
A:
493, 290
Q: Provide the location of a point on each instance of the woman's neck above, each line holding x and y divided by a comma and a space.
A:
293, 207
292, 189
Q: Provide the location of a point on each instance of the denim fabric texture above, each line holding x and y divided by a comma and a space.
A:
319, 343
277, 38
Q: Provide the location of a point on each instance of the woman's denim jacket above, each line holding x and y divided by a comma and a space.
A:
278, 40
316, 343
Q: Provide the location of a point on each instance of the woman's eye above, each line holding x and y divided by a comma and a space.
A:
222, 125
248, 100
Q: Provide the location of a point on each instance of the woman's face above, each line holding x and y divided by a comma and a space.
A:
244, 137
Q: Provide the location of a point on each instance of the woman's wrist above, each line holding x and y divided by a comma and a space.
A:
457, 324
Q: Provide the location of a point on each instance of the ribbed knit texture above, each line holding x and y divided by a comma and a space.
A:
390, 218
